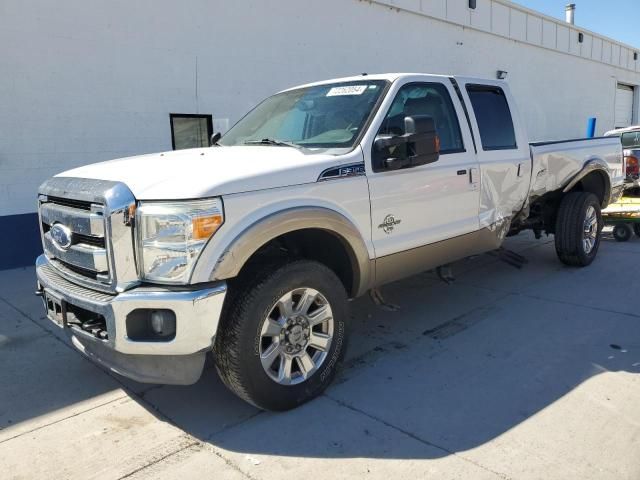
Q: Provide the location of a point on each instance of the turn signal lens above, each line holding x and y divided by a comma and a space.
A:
204, 227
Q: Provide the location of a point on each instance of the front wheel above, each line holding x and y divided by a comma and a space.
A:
578, 229
283, 335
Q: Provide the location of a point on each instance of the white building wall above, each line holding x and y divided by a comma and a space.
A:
87, 80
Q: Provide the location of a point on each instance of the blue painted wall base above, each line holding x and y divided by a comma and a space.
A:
20, 242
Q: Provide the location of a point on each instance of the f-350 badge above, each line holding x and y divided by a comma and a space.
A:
389, 223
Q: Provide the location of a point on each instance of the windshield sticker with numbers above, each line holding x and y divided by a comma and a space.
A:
347, 90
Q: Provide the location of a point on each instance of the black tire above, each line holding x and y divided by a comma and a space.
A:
238, 342
622, 232
636, 229
569, 233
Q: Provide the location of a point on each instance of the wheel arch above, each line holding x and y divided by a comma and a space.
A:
594, 177
286, 224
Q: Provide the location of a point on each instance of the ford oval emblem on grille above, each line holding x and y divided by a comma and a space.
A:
61, 236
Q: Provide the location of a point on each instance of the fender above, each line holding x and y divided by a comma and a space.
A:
595, 164
231, 261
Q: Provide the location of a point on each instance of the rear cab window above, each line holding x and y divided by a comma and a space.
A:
494, 119
631, 139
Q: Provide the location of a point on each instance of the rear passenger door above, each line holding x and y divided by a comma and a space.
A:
429, 203
503, 150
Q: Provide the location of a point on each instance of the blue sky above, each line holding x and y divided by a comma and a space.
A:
618, 19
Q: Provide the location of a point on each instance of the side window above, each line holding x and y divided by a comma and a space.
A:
425, 99
494, 117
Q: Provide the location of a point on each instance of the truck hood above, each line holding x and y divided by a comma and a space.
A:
207, 172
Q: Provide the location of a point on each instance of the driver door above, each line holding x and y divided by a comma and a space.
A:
425, 204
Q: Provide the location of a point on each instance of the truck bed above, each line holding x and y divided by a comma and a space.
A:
555, 163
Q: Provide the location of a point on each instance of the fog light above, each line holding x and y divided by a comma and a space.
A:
147, 325
163, 322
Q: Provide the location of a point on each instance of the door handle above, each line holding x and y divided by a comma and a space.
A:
462, 172
473, 176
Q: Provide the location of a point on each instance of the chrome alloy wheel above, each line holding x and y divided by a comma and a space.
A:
296, 336
590, 232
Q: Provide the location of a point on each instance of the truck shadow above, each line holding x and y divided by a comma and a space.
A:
456, 367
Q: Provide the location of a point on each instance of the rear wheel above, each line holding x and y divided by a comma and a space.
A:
578, 228
283, 335
622, 232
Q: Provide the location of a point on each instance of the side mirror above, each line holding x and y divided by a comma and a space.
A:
214, 139
419, 145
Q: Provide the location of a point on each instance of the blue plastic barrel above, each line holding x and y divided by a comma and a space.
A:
591, 127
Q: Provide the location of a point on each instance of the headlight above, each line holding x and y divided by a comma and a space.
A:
171, 236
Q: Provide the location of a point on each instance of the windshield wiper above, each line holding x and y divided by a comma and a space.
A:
272, 141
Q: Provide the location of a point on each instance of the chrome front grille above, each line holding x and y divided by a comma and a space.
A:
94, 219
87, 252
82, 221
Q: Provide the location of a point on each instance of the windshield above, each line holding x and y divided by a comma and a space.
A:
631, 139
322, 116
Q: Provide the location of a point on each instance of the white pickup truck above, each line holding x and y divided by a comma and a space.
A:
251, 248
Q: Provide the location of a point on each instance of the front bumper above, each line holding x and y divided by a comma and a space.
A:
176, 361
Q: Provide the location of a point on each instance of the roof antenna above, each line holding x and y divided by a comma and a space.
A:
364, 74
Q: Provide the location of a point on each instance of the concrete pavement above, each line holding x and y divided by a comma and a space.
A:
507, 373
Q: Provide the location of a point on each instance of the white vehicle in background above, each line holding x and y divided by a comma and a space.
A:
630, 139
250, 248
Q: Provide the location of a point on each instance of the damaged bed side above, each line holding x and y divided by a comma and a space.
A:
559, 168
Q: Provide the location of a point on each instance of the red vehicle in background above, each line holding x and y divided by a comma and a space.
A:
630, 138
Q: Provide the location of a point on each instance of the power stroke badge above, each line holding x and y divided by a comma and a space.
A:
389, 223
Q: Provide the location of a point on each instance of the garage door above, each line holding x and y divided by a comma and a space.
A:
624, 106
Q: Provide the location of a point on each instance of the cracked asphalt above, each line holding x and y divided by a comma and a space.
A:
507, 373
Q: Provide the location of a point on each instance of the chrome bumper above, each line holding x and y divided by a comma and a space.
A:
176, 361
